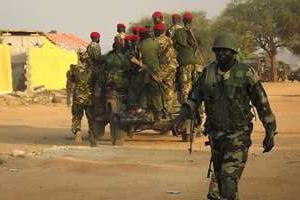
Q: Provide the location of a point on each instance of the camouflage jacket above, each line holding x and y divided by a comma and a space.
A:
227, 98
84, 84
94, 52
186, 46
172, 29
167, 56
70, 77
117, 66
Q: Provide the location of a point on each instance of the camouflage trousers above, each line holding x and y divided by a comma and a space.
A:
229, 155
170, 95
188, 77
77, 113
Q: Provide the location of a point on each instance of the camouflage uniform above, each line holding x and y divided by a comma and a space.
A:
171, 31
185, 42
120, 37
95, 62
188, 59
83, 96
227, 96
168, 64
70, 84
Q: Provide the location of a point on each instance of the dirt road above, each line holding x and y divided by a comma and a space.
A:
147, 167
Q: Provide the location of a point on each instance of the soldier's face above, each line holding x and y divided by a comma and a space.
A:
120, 29
157, 20
224, 56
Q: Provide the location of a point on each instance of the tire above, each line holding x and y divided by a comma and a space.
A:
185, 137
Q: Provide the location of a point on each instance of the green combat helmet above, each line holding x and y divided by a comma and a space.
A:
226, 40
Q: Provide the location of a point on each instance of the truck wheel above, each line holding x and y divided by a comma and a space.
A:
185, 137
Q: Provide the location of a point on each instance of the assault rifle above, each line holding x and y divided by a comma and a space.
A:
197, 50
162, 85
134, 60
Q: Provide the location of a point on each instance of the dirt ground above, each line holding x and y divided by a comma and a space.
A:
39, 161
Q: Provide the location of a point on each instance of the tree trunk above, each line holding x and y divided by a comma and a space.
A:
273, 67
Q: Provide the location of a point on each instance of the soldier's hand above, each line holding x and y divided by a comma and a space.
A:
268, 142
178, 122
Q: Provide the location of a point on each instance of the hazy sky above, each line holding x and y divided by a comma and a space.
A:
80, 17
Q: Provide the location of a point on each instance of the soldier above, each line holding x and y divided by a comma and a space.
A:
136, 31
149, 92
83, 98
227, 87
94, 49
158, 17
168, 65
70, 84
186, 42
95, 62
176, 20
117, 67
281, 71
121, 28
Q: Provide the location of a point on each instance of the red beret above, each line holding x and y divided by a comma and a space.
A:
128, 37
188, 15
135, 38
159, 26
95, 35
157, 14
136, 29
121, 25
145, 29
176, 16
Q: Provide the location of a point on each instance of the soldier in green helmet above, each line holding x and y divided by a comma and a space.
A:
228, 88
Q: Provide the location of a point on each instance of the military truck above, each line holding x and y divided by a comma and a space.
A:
126, 120
261, 66
294, 75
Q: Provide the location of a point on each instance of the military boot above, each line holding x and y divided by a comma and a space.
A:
78, 137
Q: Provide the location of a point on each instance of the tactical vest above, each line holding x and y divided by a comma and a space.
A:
116, 66
227, 102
